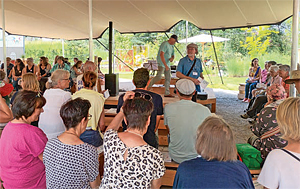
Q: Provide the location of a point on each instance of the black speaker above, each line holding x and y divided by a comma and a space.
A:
112, 84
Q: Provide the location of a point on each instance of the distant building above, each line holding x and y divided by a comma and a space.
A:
15, 46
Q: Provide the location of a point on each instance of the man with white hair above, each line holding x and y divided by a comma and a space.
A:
88, 66
190, 67
182, 119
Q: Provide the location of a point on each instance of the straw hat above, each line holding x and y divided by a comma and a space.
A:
295, 76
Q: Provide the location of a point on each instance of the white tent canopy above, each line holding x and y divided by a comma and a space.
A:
69, 19
203, 38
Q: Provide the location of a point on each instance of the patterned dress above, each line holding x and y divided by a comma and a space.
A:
70, 166
266, 121
142, 165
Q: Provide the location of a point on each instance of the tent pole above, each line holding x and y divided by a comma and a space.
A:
174, 45
295, 29
3, 37
115, 55
110, 47
212, 40
91, 54
186, 32
63, 47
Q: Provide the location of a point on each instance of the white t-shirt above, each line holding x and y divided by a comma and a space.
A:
50, 121
280, 170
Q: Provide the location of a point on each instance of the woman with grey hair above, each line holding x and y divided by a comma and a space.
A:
50, 121
217, 165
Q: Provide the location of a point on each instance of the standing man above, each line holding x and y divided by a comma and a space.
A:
187, 63
165, 55
140, 80
182, 119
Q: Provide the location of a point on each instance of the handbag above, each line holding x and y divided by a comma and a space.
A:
251, 157
189, 73
261, 85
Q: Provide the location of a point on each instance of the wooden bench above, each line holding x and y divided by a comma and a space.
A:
171, 169
113, 101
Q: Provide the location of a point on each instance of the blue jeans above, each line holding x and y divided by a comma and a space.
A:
92, 137
248, 89
15, 84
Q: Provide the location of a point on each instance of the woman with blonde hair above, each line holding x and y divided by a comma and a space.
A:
96, 123
217, 165
50, 121
282, 166
28, 82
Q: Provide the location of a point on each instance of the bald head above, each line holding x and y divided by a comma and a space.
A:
89, 66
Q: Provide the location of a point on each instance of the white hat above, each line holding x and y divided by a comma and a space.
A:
185, 86
295, 75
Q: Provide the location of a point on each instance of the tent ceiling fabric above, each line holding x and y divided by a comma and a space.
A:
68, 19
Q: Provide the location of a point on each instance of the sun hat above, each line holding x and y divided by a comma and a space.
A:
295, 75
185, 86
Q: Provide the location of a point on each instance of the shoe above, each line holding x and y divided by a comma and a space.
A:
245, 116
245, 99
169, 95
248, 100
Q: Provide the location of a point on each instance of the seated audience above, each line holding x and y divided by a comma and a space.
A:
50, 121
251, 82
69, 162
282, 166
96, 124
17, 73
30, 67
216, 165
43, 73
140, 80
28, 82
182, 119
261, 100
22, 145
129, 161
267, 135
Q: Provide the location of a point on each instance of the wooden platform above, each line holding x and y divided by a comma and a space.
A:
113, 100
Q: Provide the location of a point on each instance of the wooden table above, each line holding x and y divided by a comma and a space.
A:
113, 100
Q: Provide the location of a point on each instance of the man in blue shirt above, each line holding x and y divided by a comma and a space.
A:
165, 55
60, 65
185, 65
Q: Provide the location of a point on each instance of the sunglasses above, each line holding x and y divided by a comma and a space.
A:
143, 95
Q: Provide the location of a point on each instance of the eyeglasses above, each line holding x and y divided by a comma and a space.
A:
65, 79
143, 95
89, 117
